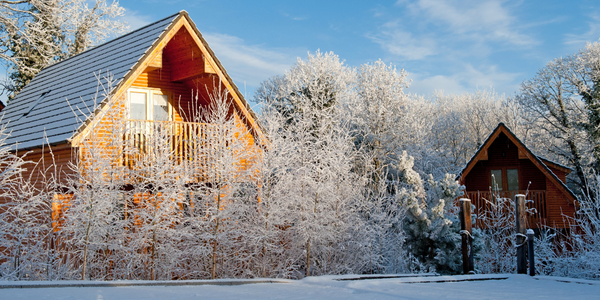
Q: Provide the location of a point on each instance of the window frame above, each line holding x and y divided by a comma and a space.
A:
504, 172
150, 92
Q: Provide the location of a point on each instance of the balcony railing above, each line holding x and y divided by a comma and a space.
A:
487, 205
193, 145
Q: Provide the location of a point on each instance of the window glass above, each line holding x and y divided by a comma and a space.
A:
496, 180
137, 106
512, 179
161, 108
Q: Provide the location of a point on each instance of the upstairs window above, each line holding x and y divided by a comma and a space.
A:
152, 105
496, 180
504, 179
512, 179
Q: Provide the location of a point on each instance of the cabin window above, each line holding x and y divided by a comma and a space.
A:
137, 105
505, 179
496, 180
150, 105
161, 107
512, 179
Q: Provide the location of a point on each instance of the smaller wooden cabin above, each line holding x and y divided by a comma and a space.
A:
504, 167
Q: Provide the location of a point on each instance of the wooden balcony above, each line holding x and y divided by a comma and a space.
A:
195, 146
486, 206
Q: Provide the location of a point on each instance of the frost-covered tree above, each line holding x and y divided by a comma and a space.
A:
36, 33
576, 253
30, 242
432, 225
562, 101
313, 186
452, 128
497, 242
378, 115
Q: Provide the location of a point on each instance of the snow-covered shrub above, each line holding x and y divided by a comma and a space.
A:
432, 224
575, 252
497, 240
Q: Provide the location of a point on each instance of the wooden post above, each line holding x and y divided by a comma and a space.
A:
530, 255
465, 233
520, 232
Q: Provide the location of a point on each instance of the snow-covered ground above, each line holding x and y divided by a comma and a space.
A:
329, 287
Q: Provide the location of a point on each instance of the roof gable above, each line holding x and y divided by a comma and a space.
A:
524, 153
71, 85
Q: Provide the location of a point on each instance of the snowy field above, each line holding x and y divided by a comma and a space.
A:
327, 287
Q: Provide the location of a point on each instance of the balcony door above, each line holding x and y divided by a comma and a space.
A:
150, 105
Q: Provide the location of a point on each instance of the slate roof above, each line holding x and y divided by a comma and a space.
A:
71, 86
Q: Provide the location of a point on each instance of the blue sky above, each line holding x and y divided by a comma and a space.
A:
454, 46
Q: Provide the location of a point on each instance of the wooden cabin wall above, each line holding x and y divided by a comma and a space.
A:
558, 206
181, 95
530, 177
478, 178
40, 163
502, 152
560, 174
104, 139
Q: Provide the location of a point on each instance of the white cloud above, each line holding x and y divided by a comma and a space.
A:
250, 63
402, 43
135, 20
295, 18
591, 35
479, 20
467, 80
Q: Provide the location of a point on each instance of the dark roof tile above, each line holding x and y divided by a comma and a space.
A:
73, 84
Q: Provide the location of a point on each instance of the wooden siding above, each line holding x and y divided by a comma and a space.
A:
45, 162
485, 202
559, 208
478, 178
180, 96
502, 153
559, 173
530, 177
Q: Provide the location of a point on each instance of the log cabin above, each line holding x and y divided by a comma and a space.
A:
504, 167
154, 79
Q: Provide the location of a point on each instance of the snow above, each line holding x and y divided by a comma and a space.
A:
502, 286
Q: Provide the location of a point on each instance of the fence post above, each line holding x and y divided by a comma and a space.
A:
530, 254
520, 233
465, 233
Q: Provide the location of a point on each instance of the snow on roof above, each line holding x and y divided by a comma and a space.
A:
66, 90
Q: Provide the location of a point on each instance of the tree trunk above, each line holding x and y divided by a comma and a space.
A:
214, 254
308, 257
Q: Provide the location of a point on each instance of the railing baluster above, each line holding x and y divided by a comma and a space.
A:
189, 144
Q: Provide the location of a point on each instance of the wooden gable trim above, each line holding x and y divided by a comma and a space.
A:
149, 61
554, 165
523, 151
482, 154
